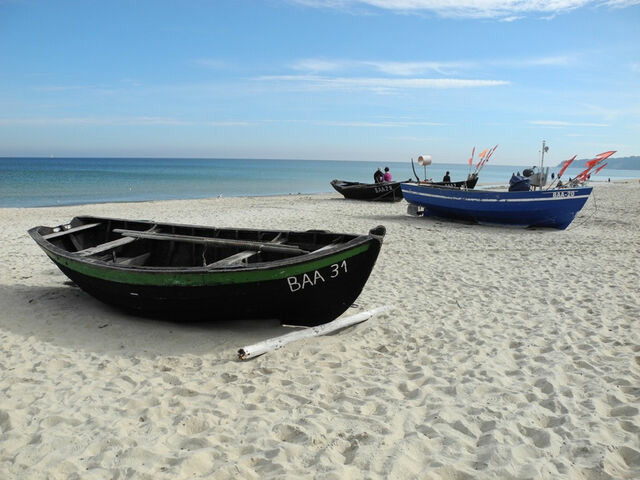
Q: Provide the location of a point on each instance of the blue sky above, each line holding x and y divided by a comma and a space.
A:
320, 79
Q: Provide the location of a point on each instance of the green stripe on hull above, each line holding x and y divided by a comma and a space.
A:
178, 279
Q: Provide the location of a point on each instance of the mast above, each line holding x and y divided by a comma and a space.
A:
542, 175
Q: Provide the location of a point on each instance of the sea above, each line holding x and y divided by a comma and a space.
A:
41, 182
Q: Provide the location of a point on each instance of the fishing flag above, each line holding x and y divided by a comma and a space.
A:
481, 158
600, 168
599, 158
565, 165
471, 159
491, 153
486, 158
582, 176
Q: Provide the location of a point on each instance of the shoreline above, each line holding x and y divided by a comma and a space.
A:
488, 185
511, 353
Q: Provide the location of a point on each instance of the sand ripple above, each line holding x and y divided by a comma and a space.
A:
511, 354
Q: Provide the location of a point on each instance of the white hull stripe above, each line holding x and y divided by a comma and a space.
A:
496, 200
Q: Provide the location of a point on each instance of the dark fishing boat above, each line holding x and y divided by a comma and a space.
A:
378, 192
195, 272
424, 160
468, 184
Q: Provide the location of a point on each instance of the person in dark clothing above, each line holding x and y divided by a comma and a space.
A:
446, 177
377, 176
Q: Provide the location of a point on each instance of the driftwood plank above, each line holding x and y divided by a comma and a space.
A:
275, 343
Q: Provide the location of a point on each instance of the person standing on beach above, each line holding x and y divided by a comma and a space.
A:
446, 177
378, 176
387, 175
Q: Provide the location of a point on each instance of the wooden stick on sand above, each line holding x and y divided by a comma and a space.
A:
275, 343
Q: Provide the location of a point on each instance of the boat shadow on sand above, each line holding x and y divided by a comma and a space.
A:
432, 221
65, 316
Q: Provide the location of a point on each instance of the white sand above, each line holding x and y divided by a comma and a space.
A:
512, 354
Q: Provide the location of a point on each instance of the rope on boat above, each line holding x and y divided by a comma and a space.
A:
585, 220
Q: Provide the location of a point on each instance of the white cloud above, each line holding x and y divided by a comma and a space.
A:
507, 10
551, 61
382, 124
392, 68
113, 121
379, 85
415, 68
316, 66
622, 3
558, 123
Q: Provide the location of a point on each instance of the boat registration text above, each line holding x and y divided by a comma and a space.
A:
300, 282
564, 194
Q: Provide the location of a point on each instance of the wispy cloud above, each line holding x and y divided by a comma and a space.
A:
622, 3
378, 84
316, 66
381, 124
548, 61
631, 108
559, 123
389, 67
113, 121
506, 10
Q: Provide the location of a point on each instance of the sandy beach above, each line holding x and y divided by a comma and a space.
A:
510, 353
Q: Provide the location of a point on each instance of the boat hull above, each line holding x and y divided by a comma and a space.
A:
376, 192
308, 290
539, 208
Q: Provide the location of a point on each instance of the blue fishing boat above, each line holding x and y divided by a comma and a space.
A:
536, 208
525, 204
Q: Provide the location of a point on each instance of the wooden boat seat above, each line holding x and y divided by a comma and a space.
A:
133, 261
106, 246
327, 247
233, 259
240, 257
247, 244
69, 231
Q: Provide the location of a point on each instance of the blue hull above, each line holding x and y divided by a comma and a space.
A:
539, 208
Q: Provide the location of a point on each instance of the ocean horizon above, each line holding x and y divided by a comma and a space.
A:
42, 181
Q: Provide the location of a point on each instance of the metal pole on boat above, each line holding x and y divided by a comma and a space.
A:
540, 173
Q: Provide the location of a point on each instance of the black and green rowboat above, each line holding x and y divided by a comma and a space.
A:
187, 272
